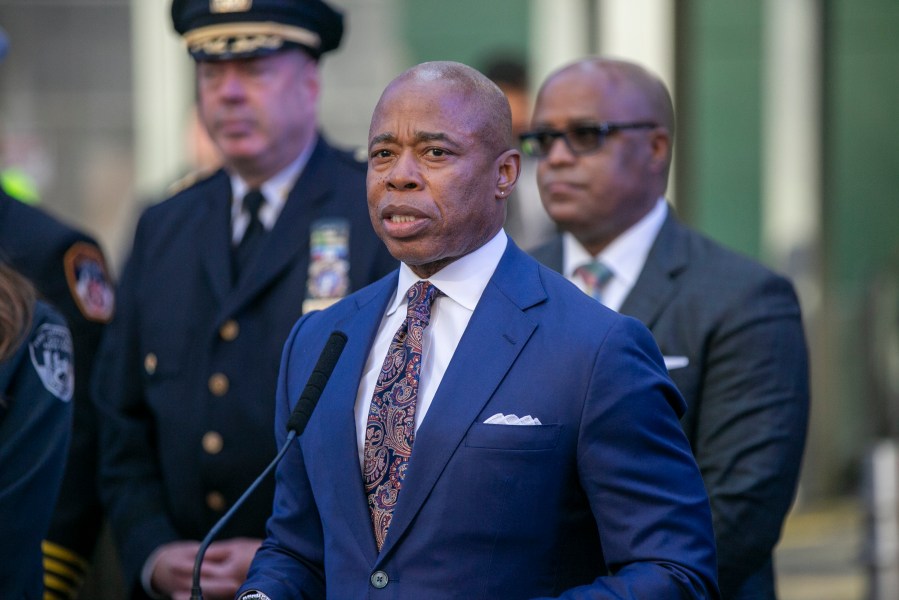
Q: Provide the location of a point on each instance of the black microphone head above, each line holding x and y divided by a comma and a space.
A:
317, 381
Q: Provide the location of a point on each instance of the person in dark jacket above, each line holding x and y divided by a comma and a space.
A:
36, 391
68, 269
217, 275
730, 329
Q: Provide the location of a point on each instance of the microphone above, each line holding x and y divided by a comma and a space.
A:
296, 424
316, 383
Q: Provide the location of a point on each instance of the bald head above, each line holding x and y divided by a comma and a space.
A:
485, 109
628, 82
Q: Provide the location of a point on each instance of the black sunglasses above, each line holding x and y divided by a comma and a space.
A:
580, 139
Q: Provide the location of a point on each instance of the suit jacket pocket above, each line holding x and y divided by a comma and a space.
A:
513, 437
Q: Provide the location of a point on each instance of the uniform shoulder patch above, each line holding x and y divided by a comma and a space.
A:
51, 355
253, 595
89, 281
189, 180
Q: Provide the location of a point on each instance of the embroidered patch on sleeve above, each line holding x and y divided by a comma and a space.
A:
253, 595
89, 282
51, 355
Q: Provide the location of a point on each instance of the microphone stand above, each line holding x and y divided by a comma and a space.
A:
196, 593
300, 416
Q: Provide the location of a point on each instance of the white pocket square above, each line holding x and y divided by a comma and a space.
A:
501, 419
676, 362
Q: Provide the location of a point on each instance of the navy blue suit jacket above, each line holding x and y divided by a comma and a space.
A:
605, 486
734, 331
190, 360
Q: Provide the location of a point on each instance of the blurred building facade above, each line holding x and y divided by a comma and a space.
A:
787, 146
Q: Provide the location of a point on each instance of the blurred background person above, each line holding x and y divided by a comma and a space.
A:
36, 390
526, 221
730, 329
68, 270
217, 275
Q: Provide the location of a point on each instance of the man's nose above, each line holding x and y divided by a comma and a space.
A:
405, 173
559, 152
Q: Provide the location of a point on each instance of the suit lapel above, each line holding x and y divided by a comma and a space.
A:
339, 421
499, 328
657, 282
289, 238
214, 235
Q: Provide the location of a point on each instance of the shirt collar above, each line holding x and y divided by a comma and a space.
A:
463, 280
627, 253
276, 188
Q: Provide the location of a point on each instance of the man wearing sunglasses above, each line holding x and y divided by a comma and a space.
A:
730, 329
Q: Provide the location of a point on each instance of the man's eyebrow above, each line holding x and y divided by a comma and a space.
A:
420, 137
427, 136
382, 138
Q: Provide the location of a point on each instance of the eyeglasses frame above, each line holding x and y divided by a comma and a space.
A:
604, 130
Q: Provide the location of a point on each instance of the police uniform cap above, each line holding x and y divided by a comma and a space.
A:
230, 29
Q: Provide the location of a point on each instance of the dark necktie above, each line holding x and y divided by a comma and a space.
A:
596, 275
252, 237
390, 431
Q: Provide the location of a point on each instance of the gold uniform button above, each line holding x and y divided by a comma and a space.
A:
218, 384
229, 330
212, 442
215, 501
150, 362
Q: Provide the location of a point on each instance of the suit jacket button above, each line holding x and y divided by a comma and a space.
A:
379, 579
218, 384
213, 442
229, 330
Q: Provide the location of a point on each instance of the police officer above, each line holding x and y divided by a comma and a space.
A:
35, 424
69, 271
217, 275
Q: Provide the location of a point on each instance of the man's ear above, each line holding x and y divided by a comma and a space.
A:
508, 167
660, 144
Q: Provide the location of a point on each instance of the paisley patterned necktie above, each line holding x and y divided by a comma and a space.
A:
391, 419
596, 275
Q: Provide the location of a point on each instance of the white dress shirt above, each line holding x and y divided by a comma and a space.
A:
625, 256
461, 284
275, 192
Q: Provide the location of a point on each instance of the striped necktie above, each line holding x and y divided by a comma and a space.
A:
596, 275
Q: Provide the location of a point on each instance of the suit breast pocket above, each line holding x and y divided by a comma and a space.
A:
513, 437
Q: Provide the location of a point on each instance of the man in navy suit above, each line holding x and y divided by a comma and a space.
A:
217, 275
730, 329
543, 451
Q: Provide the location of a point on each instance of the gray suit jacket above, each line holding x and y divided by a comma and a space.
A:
737, 328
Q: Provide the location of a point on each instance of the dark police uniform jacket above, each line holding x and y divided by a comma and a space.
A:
69, 271
190, 360
35, 425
